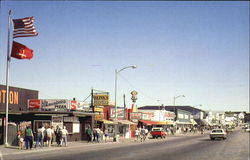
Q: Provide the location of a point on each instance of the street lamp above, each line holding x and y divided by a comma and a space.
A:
177, 97
116, 73
174, 101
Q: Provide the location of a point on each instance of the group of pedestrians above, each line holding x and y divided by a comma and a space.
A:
44, 137
141, 134
96, 135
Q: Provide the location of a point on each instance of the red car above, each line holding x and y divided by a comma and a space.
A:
158, 132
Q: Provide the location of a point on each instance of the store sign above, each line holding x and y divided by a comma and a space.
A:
71, 119
99, 117
135, 116
51, 104
148, 116
98, 109
169, 115
101, 99
57, 121
34, 104
73, 105
120, 113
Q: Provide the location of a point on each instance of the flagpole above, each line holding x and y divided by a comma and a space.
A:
7, 83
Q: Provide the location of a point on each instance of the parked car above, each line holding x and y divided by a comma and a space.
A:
247, 129
229, 129
158, 132
218, 133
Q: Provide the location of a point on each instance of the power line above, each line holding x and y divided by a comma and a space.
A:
141, 92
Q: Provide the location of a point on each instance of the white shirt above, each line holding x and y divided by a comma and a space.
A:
64, 132
49, 132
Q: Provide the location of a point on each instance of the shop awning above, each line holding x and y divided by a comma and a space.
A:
124, 122
153, 122
107, 122
184, 122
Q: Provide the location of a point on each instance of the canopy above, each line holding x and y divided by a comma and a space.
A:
123, 122
154, 122
107, 122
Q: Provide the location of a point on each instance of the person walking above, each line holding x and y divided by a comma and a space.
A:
20, 139
28, 137
58, 135
89, 134
49, 132
137, 134
64, 136
94, 134
106, 133
39, 137
98, 135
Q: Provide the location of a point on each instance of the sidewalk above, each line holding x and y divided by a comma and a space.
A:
14, 149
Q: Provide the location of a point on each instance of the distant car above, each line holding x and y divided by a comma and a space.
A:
247, 129
218, 133
158, 132
229, 129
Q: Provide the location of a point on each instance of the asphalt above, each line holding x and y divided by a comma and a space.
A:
181, 147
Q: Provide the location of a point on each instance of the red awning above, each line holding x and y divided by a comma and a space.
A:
153, 122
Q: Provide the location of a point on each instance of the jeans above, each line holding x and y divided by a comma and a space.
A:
64, 140
28, 142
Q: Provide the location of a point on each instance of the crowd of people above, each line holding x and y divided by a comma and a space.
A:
44, 137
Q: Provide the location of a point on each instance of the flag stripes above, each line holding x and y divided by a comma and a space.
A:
24, 27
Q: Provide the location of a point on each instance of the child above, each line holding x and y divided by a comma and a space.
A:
20, 139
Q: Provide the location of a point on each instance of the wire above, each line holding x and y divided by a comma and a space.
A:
141, 92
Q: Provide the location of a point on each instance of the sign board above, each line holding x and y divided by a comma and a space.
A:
51, 104
135, 116
101, 99
57, 121
120, 113
76, 127
99, 117
73, 105
148, 116
71, 119
34, 103
98, 109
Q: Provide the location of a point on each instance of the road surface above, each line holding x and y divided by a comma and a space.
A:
195, 147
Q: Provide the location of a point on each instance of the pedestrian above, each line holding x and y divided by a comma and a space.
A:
146, 133
98, 135
58, 135
143, 134
45, 137
49, 132
64, 136
106, 133
28, 137
39, 137
20, 139
137, 134
89, 134
53, 134
94, 134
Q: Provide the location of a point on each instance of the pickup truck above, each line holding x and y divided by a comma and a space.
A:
158, 132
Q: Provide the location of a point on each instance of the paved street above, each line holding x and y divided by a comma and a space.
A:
181, 147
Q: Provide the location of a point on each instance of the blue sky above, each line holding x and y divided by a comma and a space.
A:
199, 49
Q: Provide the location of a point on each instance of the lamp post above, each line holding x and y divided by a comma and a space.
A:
175, 97
116, 73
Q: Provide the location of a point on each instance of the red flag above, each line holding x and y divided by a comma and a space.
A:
20, 51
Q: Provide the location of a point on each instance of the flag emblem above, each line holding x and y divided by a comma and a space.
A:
21, 51
24, 27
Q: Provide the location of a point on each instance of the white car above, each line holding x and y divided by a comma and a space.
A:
247, 129
218, 133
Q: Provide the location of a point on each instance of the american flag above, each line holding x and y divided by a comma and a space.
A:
24, 27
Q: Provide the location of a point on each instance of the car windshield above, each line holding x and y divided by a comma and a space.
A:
217, 131
156, 129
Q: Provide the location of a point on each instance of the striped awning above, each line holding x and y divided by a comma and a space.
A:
153, 122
